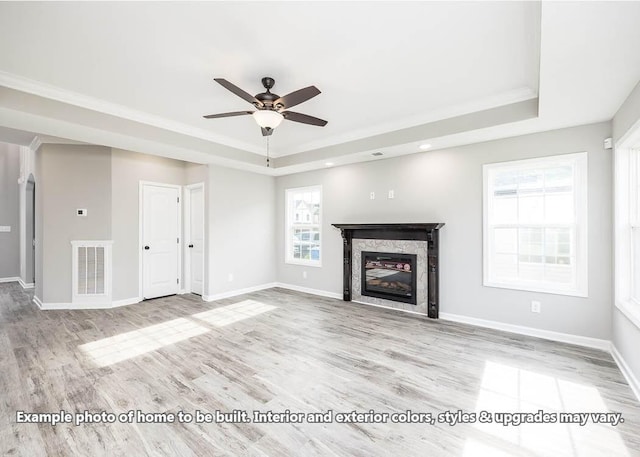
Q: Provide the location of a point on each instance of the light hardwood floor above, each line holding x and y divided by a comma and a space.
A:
279, 350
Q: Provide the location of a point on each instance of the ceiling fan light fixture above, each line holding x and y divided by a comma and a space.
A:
268, 118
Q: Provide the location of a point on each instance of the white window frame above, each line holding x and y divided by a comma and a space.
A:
289, 222
580, 286
626, 219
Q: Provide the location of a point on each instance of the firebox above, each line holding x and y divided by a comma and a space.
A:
389, 276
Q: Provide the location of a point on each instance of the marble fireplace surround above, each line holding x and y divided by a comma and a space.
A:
421, 239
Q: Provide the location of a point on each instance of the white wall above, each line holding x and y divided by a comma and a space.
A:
446, 186
241, 230
9, 210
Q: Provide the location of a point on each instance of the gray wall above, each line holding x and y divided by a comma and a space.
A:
127, 170
627, 115
626, 335
446, 186
9, 210
74, 177
241, 229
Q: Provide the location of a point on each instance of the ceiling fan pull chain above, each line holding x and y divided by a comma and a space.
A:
267, 151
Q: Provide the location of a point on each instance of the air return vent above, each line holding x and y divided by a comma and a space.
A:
91, 270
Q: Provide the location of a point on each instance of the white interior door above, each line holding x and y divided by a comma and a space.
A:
160, 240
195, 239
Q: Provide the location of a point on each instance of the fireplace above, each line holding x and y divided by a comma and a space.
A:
389, 276
369, 235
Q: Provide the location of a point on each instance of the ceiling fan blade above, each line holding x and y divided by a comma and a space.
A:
239, 92
297, 97
235, 113
303, 118
266, 131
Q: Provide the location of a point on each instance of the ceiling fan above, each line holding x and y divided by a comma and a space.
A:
271, 109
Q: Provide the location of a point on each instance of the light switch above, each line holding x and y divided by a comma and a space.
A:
5, 228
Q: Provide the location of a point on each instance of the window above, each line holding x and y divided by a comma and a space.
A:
535, 224
304, 223
627, 227
634, 223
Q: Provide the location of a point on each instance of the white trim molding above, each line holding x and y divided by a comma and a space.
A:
10, 279
26, 285
307, 290
633, 382
85, 305
586, 341
234, 293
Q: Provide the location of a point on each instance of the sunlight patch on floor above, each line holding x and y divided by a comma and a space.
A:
124, 346
510, 389
234, 313
127, 345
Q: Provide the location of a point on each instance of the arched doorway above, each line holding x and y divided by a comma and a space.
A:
30, 233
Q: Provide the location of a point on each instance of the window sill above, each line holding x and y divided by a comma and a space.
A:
306, 263
631, 311
532, 288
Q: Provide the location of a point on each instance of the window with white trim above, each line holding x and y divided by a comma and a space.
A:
627, 226
535, 224
634, 222
304, 225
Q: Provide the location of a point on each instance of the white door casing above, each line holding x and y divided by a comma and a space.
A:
194, 234
160, 229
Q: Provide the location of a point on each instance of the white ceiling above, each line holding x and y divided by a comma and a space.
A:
140, 75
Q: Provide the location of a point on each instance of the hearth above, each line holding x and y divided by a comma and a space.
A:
389, 276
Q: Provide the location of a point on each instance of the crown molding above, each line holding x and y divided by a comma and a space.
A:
51, 92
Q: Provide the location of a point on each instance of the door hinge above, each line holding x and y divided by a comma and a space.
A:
178, 240
177, 280
178, 199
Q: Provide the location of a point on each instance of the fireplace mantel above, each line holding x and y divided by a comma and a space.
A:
411, 231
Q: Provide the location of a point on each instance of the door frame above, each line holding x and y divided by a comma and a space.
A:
141, 234
187, 228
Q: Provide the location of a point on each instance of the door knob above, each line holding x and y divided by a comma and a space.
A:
146, 248
191, 245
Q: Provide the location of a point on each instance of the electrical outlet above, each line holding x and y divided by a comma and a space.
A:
304, 275
391, 194
372, 195
230, 277
535, 306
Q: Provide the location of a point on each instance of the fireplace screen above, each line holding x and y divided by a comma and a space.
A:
389, 276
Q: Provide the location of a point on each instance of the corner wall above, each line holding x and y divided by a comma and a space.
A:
75, 176
241, 230
446, 186
9, 211
626, 334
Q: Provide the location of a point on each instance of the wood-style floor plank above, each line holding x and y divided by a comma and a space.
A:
278, 350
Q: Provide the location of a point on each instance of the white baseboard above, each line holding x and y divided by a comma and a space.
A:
530, 331
233, 293
633, 382
12, 279
307, 290
125, 302
26, 285
79, 306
